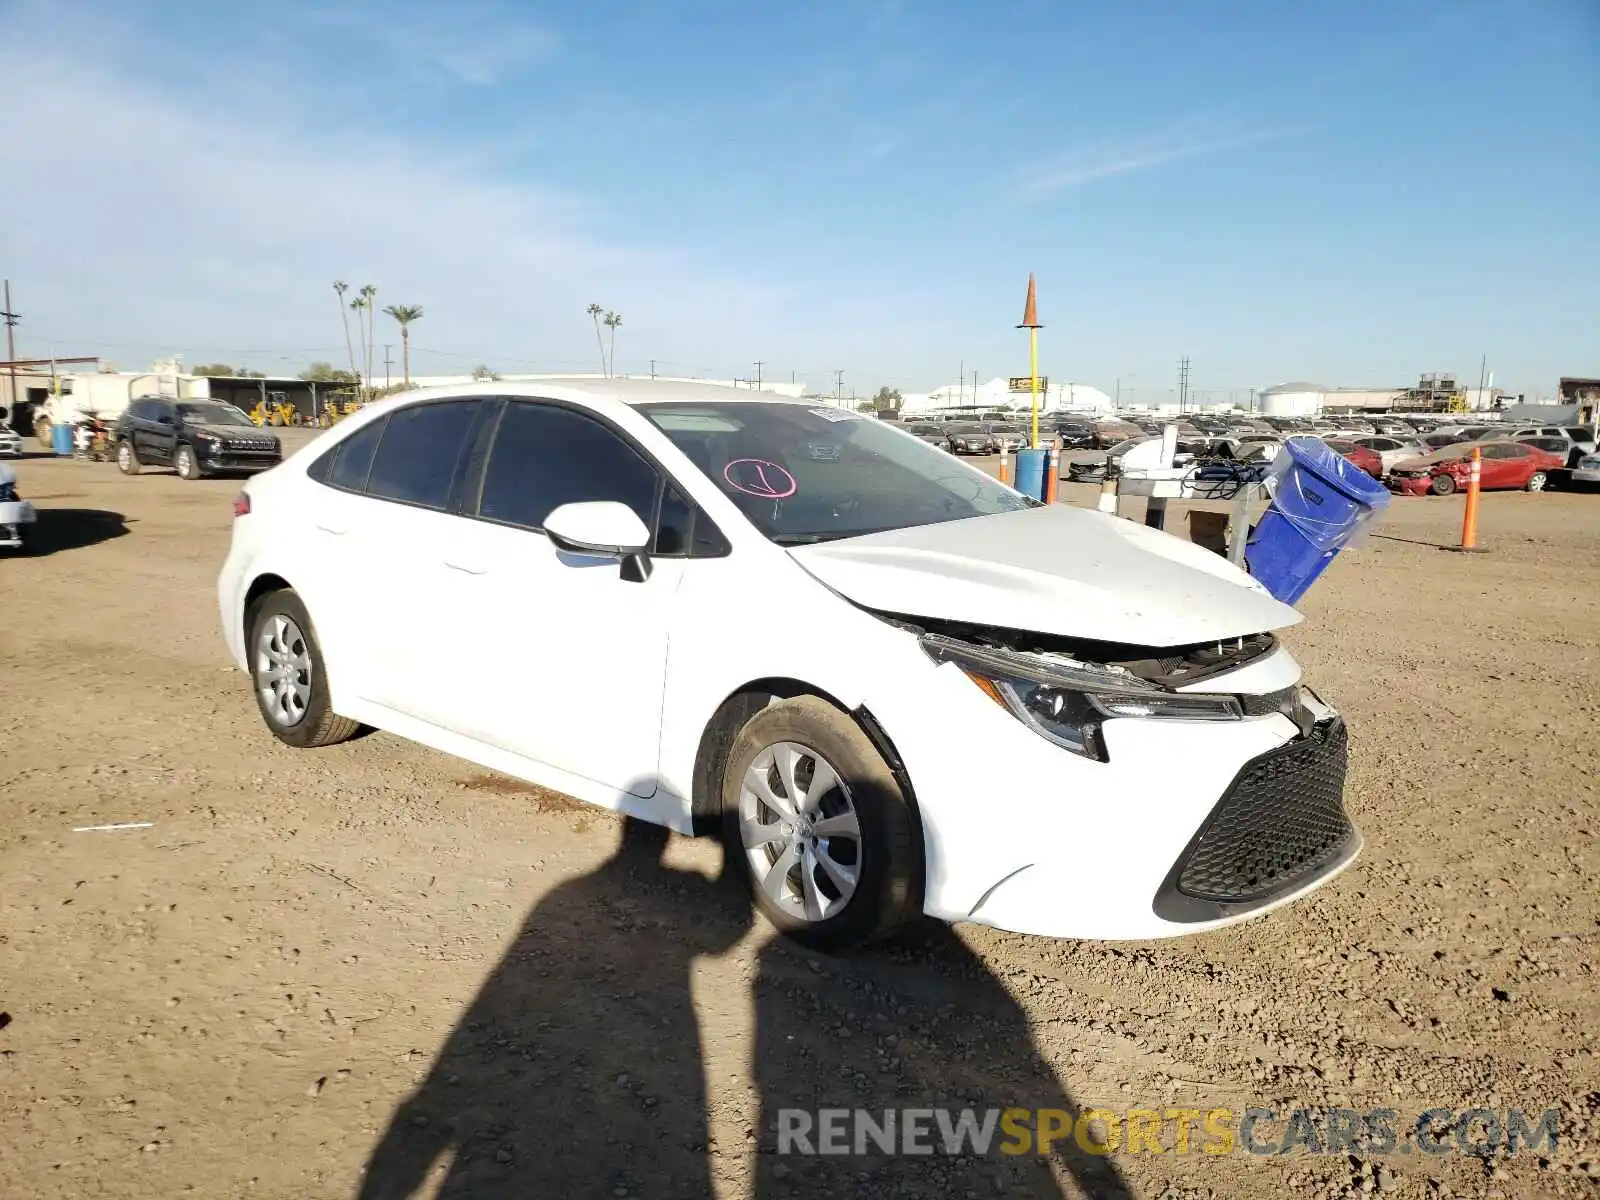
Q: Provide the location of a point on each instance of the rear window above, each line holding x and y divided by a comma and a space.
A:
352, 458
416, 460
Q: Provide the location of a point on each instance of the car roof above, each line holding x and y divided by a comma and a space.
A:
588, 388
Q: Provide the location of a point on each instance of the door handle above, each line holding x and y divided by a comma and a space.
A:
466, 568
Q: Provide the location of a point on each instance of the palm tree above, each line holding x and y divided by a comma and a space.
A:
403, 315
340, 287
612, 321
370, 295
594, 311
358, 305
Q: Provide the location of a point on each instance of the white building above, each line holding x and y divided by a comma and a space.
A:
1298, 399
997, 393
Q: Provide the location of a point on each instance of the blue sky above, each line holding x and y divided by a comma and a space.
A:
1352, 193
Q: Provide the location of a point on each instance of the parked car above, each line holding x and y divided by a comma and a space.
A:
663, 600
1391, 450
193, 437
1074, 436
931, 433
17, 516
1504, 465
10, 442
1587, 470
1441, 438
1113, 433
971, 439
1007, 437
1363, 457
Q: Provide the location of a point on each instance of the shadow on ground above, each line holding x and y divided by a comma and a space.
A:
59, 529
578, 1068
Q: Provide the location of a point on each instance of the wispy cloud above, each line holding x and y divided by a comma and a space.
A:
209, 248
477, 44
1101, 160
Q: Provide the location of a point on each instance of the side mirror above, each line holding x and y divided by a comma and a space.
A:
606, 528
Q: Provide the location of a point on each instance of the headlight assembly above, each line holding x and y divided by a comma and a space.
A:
1065, 701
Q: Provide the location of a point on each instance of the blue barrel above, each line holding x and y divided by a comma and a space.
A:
61, 438
1031, 471
1321, 502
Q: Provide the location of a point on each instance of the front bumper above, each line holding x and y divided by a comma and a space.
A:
1586, 474
1041, 841
242, 461
1410, 487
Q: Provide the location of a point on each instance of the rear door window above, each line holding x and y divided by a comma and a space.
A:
351, 459
417, 458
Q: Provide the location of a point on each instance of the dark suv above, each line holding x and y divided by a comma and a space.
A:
194, 437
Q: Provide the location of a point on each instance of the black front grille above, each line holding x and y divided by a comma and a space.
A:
1281, 822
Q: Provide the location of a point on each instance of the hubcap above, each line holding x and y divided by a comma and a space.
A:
283, 670
800, 831
1536, 484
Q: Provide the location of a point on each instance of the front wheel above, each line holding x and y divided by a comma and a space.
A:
288, 675
187, 464
827, 838
1538, 481
127, 460
1443, 484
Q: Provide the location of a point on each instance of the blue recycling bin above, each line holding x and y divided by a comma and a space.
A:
61, 438
1032, 467
1321, 502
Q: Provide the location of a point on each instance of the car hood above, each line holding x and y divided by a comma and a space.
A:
230, 431
1055, 570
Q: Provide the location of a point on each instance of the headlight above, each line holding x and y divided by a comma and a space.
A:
1066, 701
208, 441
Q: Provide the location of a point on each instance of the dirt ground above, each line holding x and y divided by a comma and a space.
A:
313, 962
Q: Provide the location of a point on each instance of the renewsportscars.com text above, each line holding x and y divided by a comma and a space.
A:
1481, 1132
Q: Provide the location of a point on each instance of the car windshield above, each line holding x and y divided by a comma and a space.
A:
804, 474
211, 412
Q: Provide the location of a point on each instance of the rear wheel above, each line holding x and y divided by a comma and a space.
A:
1443, 484
826, 836
289, 677
1538, 481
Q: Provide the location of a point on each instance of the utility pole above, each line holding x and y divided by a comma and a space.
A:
759, 365
961, 382
387, 363
652, 368
1183, 384
1482, 367
11, 320
838, 385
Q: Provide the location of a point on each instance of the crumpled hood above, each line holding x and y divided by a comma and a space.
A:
1054, 569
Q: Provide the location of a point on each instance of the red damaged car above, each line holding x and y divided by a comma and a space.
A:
1367, 460
1505, 465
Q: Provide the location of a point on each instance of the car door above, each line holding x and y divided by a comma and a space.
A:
390, 537
1504, 466
563, 655
156, 435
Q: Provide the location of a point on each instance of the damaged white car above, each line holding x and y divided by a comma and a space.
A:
17, 516
724, 611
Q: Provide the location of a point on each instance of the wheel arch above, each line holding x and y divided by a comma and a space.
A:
736, 710
260, 586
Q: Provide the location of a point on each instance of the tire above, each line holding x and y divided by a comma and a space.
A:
127, 457
186, 464
278, 632
883, 854
1442, 485
1538, 481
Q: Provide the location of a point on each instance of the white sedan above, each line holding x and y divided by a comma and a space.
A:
721, 611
